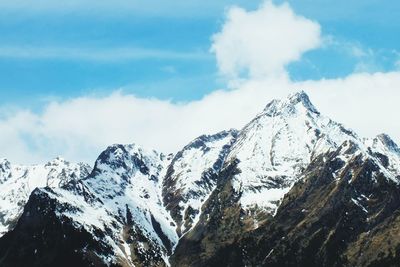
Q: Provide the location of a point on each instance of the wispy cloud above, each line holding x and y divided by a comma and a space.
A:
366, 59
397, 64
162, 8
97, 54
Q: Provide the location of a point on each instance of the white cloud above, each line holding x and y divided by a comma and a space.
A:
264, 41
365, 102
80, 128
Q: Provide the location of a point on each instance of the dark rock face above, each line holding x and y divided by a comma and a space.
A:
351, 219
214, 237
42, 239
325, 221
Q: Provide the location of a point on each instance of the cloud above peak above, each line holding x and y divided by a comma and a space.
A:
263, 42
79, 129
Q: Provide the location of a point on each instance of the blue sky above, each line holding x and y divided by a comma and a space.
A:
180, 68
151, 49
77, 76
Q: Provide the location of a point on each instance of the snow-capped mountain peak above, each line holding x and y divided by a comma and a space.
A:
387, 152
387, 142
277, 145
296, 102
125, 160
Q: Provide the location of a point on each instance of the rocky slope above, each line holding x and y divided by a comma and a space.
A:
113, 216
292, 188
190, 177
18, 181
344, 211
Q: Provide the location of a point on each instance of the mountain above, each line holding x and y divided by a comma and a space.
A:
292, 188
113, 215
18, 181
286, 146
344, 211
190, 177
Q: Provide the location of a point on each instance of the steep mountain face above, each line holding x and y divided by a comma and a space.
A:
190, 177
292, 188
270, 155
384, 148
113, 216
344, 211
274, 148
17, 183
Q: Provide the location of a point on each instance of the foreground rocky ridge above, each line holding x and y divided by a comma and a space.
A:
18, 181
292, 188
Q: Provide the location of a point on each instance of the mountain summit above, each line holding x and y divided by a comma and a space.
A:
292, 188
292, 103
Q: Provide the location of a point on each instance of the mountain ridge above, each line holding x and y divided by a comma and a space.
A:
223, 200
18, 181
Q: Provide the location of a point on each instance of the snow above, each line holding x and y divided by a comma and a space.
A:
277, 145
359, 205
19, 181
280, 142
264, 199
384, 145
194, 162
126, 177
269, 254
193, 169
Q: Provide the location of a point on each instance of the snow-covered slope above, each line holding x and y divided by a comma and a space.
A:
342, 212
18, 181
277, 145
383, 147
275, 148
121, 199
191, 176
